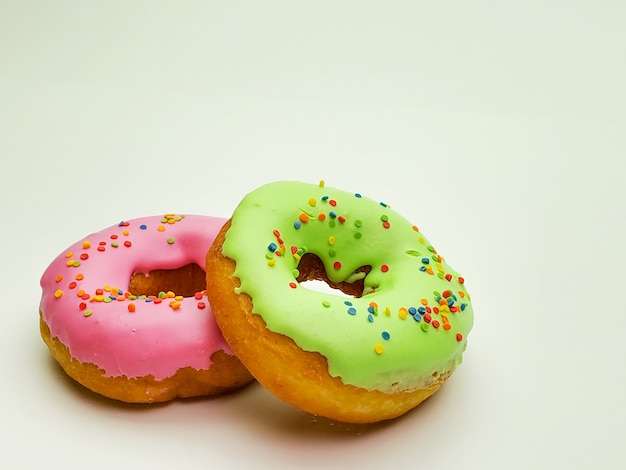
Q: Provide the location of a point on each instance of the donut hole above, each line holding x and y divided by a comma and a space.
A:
312, 275
185, 281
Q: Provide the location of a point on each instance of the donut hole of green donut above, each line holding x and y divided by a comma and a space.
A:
185, 281
311, 269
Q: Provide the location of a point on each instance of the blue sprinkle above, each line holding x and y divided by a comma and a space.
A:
332, 214
450, 302
386, 335
121, 224
357, 195
422, 310
463, 307
383, 204
417, 317
143, 226
422, 268
324, 198
148, 299
370, 309
112, 297
412, 310
272, 247
370, 317
425, 260
297, 224
347, 302
454, 297
352, 311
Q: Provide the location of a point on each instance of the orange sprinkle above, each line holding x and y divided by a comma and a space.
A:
304, 218
415, 228
80, 277
171, 221
175, 304
424, 301
59, 278
80, 293
461, 294
125, 233
161, 228
121, 298
131, 307
447, 326
321, 217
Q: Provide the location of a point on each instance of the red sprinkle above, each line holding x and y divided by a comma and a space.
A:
72, 285
459, 336
461, 280
201, 305
384, 268
113, 237
337, 265
197, 295
99, 292
341, 219
84, 256
127, 243
386, 224
293, 285
82, 305
448, 277
435, 324
101, 248
427, 318
332, 202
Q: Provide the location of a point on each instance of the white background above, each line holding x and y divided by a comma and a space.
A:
497, 127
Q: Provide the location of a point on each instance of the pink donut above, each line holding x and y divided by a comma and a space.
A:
138, 346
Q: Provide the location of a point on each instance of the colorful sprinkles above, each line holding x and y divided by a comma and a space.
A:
88, 303
434, 315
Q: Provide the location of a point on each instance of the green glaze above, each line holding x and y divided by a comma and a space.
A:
356, 231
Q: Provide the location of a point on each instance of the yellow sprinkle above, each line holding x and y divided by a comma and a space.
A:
296, 256
179, 297
321, 183
175, 304
125, 232
403, 313
312, 202
379, 348
387, 311
106, 288
99, 298
331, 240
86, 244
271, 262
421, 240
58, 293
171, 221
169, 294
69, 254
70, 262
161, 228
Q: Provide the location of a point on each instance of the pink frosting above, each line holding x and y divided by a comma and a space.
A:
133, 336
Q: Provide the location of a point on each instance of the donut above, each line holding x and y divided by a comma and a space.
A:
389, 333
124, 312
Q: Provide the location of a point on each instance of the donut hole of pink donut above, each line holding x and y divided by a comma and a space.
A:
185, 281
